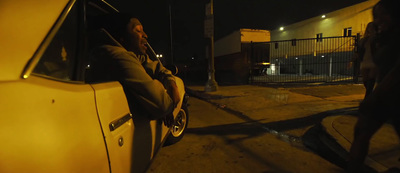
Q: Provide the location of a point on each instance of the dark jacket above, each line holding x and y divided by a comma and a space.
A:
385, 97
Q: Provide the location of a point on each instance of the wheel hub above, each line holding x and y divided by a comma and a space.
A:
179, 124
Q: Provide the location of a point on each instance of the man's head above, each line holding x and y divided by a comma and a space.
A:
128, 30
386, 15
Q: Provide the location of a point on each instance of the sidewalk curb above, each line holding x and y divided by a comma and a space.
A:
345, 144
323, 138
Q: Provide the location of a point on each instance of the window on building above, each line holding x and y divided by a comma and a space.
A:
347, 32
294, 42
276, 45
319, 37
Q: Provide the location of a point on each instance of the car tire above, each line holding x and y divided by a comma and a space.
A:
179, 127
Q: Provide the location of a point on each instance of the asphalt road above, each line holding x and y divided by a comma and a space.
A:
221, 141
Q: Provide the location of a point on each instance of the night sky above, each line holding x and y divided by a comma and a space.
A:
229, 15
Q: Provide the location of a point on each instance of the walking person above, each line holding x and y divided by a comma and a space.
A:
368, 67
383, 102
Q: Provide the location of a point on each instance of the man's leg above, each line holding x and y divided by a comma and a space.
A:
364, 129
369, 86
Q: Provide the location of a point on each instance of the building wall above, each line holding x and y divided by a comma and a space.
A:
228, 45
232, 55
232, 69
298, 47
232, 43
254, 35
233, 62
357, 17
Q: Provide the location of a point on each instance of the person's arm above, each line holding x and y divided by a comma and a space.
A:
150, 93
165, 76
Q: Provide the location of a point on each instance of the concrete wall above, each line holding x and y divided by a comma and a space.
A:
232, 43
232, 69
228, 45
232, 55
357, 17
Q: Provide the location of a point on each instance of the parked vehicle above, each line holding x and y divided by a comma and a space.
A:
52, 119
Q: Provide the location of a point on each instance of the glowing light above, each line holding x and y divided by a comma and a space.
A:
323, 16
281, 28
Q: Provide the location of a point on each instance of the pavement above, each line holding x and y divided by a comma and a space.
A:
321, 116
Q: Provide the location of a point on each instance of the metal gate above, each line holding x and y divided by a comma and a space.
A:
304, 61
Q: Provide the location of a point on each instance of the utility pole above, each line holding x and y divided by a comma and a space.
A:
170, 33
211, 84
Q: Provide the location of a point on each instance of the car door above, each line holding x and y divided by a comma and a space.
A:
116, 122
49, 119
61, 66
50, 126
131, 139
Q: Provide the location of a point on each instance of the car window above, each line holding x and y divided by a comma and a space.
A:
98, 68
59, 57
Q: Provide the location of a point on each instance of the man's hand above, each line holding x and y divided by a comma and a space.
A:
169, 120
173, 92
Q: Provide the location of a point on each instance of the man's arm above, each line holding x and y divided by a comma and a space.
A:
164, 75
148, 92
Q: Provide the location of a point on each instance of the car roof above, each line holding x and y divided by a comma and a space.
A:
23, 26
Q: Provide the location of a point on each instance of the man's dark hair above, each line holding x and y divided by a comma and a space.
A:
116, 23
392, 8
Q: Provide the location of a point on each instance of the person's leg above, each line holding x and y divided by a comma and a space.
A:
363, 131
368, 81
369, 86
396, 123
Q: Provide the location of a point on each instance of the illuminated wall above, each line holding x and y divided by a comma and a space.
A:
232, 43
227, 45
232, 55
254, 35
333, 24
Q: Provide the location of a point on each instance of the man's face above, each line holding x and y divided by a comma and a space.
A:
138, 38
382, 19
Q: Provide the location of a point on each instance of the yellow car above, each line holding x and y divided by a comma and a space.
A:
55, 121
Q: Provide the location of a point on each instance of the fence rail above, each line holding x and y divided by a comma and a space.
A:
304, 60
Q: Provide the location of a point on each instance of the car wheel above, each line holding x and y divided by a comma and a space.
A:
179, 127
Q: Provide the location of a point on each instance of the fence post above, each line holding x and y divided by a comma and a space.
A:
301, 67
330, 66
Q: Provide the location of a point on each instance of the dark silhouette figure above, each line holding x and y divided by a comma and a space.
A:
383, 102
